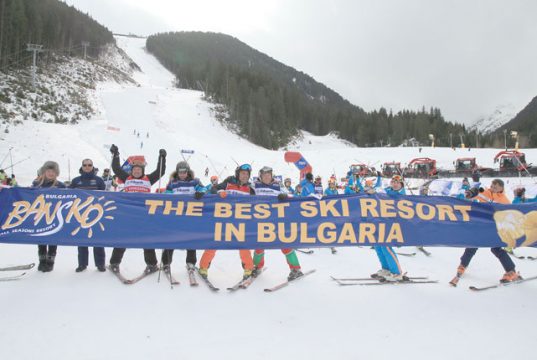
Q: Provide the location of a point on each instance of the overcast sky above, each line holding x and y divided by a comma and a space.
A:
464, 56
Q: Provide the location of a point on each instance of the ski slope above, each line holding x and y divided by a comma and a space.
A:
90, 315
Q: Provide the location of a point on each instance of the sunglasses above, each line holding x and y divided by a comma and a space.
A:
87, 165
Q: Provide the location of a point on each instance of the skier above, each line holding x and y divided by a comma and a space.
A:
88, 180
520, 196
464, 187
318, 186
391, 270
298, 190
267, 186
108, 180
141, 145
137, 181
206, 171
494, 194
306, 185
183, 182
332, 187
287, 186
47, 177
212, 187
239, 184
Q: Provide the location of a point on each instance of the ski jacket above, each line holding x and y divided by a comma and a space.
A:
390, 191
188, 186
48, 184
88, 181
520, 200
489, 196
272, 189
307, 188
231, 185
152, 178
329, 191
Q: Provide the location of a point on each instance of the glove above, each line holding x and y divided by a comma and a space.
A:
162, 153
282, 197
222, 194
519, 192
471, 193
114, 150
198, 195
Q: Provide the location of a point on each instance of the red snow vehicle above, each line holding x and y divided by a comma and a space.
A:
424, 168
390, 169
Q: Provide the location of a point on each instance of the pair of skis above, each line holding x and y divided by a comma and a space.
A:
375, 281
457, 277
167, 274
245, 283
16, 268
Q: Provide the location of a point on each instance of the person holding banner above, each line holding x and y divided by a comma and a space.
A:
332, 187
520, 196
183, 182
494, 194
390, 267
47, 177
233, 185
88, 180
306, 185
267, 186
287, 186
137, 181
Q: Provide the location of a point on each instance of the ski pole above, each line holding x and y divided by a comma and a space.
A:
11, 160
5, 157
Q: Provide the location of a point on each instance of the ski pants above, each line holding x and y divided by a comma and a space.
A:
150, 256
500, 253
290, 255
388, 259
167, 257
43, 251
99, 256
245, 255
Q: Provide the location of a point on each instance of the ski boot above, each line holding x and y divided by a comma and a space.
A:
114, 268
510, 276
391, 277
50, 263
380, 274
101, 268
149, 269
42, 263
203, 272
256, 271
247, 273
294, 274
460, 270
81, 268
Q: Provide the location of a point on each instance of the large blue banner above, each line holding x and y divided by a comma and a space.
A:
136, 220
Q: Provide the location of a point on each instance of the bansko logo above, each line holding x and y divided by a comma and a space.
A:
49, 213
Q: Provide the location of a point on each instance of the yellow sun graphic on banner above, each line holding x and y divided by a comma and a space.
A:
93, 215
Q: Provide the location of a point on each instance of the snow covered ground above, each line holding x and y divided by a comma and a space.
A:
90, 315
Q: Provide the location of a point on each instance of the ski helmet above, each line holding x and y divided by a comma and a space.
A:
243, 167
182, 166
265, 169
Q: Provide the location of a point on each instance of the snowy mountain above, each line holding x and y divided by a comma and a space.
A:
90, 315
501, 115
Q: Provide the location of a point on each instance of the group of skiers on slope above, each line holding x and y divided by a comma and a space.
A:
182, 181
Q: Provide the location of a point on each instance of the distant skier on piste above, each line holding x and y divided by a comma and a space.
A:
183, 182
137, 181
267, 186
390, 267
233, 185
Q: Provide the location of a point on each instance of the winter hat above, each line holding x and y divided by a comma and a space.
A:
309, 176
50, 165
